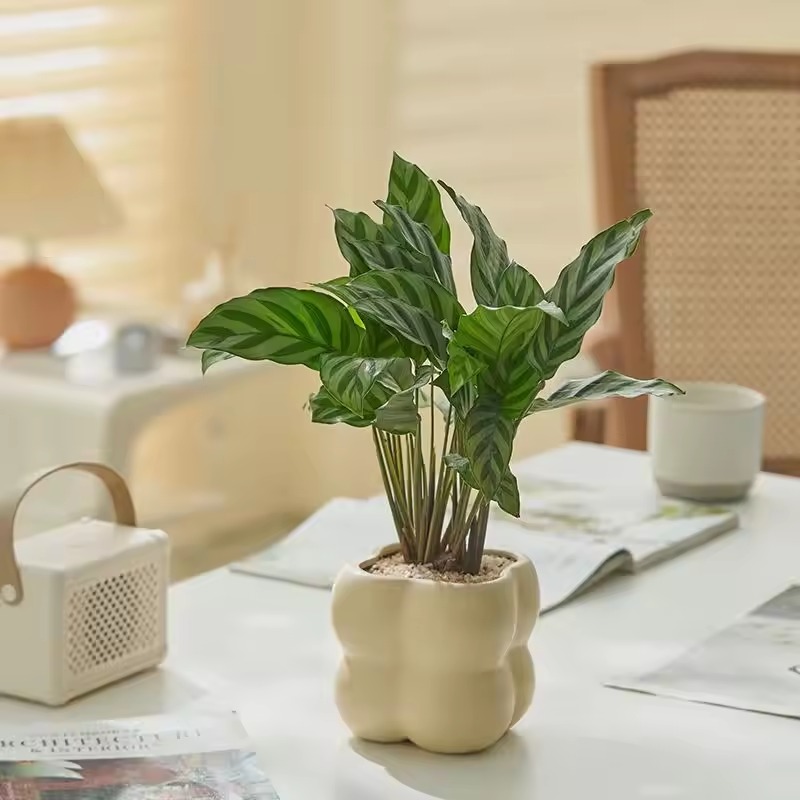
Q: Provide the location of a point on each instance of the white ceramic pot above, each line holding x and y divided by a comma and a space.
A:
443, 665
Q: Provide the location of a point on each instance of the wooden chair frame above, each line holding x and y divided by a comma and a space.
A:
615, 88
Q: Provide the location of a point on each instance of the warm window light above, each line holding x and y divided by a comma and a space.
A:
40, 21
58, 61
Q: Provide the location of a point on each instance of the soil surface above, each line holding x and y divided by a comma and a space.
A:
492, 567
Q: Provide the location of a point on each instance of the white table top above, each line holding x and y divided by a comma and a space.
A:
266, 648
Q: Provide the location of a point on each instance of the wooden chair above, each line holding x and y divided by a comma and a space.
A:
711, 142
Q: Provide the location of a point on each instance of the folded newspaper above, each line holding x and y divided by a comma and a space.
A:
575, 534
197, 757
753, 664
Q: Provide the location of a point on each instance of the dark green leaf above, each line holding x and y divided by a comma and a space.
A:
507, 496
288, 326
398, 414
488, 439
352, 229
462, 367
517, 287
579, 292
326, 410
411, 305
499, 338
353, 381
211, 357
606, 384
489, 257
418, 237
462, 400
411, 189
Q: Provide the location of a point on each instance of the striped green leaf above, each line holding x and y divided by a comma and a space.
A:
606, 384
507, 496
498, 338
517, 287
211, 357
489, 257
398, 415
579, 292
288, 326
411, 305
326, 410
361, 391
487, 441
462, 367
384, 255
420, 239
461, 399
411, 189
353, 229
353, 380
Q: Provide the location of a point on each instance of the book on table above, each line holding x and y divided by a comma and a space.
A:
186, 757
575, 534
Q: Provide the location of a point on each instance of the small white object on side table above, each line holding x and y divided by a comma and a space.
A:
266, 648
59, 410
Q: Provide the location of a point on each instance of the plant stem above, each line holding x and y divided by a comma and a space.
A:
477, 539
394, 502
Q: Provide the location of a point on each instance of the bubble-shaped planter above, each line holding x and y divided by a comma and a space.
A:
444, 665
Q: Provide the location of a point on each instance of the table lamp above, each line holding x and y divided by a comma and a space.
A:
48, 190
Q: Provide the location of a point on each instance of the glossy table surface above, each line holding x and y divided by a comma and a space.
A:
266, 648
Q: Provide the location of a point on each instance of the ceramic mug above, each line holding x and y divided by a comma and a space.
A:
706, 445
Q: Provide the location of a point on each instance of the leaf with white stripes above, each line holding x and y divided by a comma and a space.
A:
517, 287
487, 441
411, 189
409, 304
606, 384
579, 292
288, 326
417, 236
489, 257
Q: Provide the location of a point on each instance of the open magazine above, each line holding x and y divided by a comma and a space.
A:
198, 757
576, 535
754, 664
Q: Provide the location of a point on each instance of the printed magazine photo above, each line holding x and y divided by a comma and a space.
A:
174, 763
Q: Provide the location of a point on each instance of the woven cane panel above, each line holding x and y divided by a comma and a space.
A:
721, 170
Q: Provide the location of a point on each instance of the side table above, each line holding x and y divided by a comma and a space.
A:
56, 410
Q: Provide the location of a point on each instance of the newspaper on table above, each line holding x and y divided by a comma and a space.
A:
576, 535
197, 757
753, 665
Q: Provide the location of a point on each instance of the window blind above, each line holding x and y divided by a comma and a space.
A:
106, 67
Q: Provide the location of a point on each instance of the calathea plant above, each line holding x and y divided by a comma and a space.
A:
392, 342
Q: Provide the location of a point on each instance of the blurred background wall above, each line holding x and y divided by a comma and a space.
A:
219, 121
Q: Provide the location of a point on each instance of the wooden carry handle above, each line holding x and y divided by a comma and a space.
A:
9, 568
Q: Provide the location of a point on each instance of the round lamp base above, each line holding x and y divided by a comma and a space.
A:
36, 306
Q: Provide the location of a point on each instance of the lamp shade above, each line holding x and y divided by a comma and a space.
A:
47, 188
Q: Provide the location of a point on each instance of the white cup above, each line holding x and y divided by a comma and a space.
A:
706, 445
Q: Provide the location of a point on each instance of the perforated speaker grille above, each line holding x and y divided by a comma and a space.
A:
113, 621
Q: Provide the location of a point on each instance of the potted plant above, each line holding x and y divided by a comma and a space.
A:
434, 628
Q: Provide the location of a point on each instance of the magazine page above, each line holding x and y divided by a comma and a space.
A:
348, 531
639, 520
754, 664
197, 757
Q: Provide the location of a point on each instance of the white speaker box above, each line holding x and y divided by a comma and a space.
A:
82, 605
